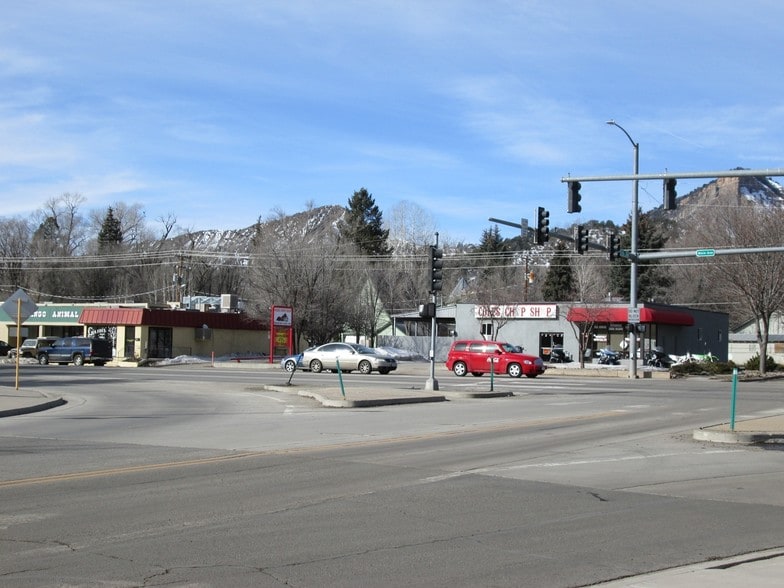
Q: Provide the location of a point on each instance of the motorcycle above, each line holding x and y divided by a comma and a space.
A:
558, 355
657, 358
608, 356
694, 358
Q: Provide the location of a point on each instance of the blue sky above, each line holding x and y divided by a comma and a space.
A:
224, 111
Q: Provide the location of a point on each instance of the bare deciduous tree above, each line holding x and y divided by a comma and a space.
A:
14, 247
313, 279
756, 280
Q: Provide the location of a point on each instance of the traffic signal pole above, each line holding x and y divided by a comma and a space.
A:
634, 255
435, 275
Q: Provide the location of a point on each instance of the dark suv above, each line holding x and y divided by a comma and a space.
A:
30, 347
76, 350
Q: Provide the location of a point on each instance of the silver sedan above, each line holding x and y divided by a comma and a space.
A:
348, 357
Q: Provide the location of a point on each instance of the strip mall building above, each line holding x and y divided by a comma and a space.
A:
539, 327
144, 332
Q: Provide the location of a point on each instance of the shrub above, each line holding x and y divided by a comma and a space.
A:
754, 364
703, 368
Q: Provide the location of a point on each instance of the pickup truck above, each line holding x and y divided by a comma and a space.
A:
76, 350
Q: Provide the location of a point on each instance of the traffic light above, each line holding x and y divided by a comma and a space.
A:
573, 203
436, 272
542, 226
670, 193
613, 246
580, 239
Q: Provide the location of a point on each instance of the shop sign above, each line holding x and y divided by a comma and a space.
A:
57, 314
516, 311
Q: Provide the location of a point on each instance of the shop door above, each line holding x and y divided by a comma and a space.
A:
546, 343
160, 346
130, 340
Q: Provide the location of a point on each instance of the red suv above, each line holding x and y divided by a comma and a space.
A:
475, 357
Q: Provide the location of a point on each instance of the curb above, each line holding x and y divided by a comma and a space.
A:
479, 394
746, 438
33, 408
330, 403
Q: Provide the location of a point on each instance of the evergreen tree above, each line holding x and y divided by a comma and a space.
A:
111, 231
491, 241
364, 226
492, 255
558, 283
653, 281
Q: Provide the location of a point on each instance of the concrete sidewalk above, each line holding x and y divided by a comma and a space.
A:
24, 401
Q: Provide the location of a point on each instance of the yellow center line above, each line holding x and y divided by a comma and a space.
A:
312, 449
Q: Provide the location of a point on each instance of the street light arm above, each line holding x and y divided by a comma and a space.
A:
625, 132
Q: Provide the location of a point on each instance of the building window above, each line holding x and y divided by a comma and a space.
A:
487, 329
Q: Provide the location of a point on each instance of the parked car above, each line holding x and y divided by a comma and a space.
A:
76, 350
293, 362
5, 348
30, 347
477, 357
350, 356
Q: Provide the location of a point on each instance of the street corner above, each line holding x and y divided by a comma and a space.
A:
759, 431
18, 402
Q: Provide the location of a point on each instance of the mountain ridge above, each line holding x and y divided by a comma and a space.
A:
309, 226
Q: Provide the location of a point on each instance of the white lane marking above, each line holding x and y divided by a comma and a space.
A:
556, 464
494, 470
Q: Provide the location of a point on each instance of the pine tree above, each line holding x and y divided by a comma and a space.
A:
491, 241
558, 285
653, 281
364, 225
111, 231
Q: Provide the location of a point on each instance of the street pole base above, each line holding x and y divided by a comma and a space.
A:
431, 384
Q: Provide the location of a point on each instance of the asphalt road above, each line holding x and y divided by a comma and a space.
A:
200, 477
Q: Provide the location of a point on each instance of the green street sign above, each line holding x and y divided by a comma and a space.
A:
705, 252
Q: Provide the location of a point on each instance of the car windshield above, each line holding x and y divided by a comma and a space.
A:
363, 349
510, 348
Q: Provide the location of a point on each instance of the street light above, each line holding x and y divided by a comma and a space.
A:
633, 253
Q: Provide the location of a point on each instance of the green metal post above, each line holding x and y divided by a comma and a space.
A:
734, 396
340, 379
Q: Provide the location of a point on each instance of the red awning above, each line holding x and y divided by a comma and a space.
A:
169, 318
659, 316
112, 316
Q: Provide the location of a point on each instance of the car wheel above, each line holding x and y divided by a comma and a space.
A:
315, 366
365, 367
43, 359
460, 369
290, 365
514, 370
477, 374
383, 371
78, 359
